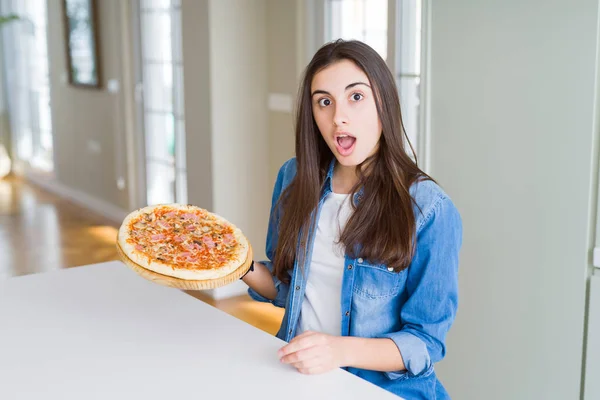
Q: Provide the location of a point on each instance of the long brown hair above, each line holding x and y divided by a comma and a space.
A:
382, 226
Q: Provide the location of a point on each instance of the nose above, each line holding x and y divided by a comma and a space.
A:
340, 117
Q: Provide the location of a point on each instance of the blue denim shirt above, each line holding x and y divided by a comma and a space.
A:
414, 308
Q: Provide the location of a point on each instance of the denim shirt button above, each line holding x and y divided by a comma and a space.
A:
297, 287
360, 260
347, 313
390, 269
350, 266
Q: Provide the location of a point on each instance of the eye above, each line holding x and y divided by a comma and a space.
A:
357, 96
324, 102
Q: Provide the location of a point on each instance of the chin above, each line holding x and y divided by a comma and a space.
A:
350, 161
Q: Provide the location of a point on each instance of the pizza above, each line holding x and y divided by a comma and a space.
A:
182, 241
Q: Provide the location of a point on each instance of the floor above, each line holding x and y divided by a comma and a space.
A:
40, 232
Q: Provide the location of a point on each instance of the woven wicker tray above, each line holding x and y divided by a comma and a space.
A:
183, 283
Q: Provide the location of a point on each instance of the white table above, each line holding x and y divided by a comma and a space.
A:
101, 331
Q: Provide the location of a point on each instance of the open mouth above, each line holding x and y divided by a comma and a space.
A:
345, 143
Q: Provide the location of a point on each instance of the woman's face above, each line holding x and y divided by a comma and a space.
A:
343, 106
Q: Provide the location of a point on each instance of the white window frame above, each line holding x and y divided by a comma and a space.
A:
180, 169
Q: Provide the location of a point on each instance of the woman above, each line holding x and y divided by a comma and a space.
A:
363, 245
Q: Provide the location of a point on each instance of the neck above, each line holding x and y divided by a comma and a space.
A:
344, 178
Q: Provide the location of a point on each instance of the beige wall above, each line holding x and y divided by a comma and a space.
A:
88, 124
197, 98
235, 146
282, 42
516, 147
262, 46
239, 115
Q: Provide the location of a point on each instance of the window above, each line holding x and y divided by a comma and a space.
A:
27, 82
163, 113
364, 20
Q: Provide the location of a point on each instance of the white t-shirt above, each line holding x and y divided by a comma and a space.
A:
321, 308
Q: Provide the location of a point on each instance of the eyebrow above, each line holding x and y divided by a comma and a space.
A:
350, 86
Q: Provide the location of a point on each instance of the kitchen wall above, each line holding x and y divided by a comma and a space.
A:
514, 142
89, 125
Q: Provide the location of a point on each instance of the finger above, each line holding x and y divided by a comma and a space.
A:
313, 370
308, 363
297, 344
302, 336
301, 355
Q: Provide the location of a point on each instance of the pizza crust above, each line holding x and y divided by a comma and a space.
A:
173, 270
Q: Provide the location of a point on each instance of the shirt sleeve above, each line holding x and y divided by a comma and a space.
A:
271, 245
282, 290
432, 285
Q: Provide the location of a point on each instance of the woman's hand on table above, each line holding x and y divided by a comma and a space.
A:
313, 352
